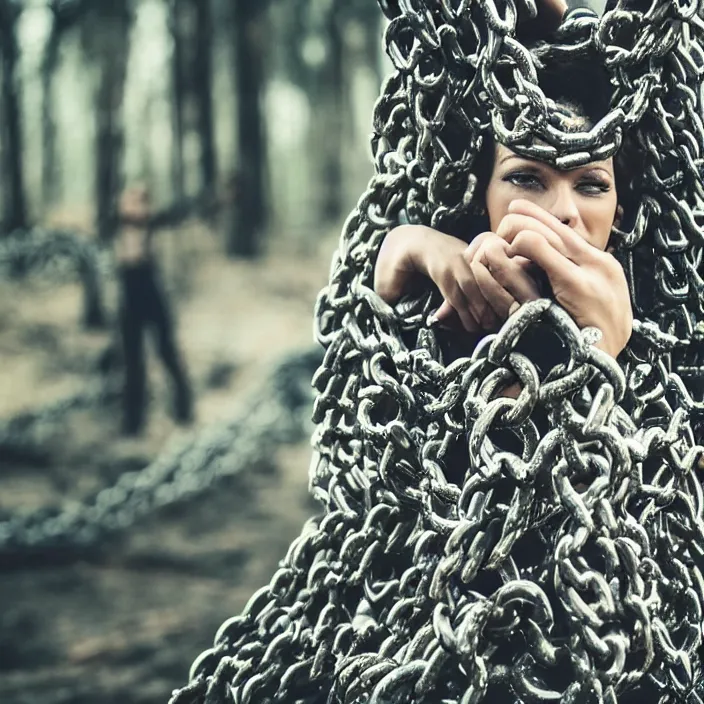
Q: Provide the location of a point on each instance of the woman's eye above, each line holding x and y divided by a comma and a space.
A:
594, 187
524, 180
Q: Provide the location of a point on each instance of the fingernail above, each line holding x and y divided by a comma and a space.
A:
514, 307
432, 320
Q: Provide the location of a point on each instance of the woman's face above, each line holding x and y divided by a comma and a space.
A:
584, 198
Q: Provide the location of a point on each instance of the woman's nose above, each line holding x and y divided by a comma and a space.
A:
564, 206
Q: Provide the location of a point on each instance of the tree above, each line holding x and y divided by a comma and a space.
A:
331, 96
334, 85
191, 28
106, 28
64, 15
11, 142
179, 84
370, 17
250, 180
325, 76
203, 88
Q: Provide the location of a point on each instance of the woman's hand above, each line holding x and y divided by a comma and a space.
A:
498, 281
479, 282
412, 250
588, 283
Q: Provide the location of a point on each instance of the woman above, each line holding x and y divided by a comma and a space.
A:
540, 219
144, 306
564, 565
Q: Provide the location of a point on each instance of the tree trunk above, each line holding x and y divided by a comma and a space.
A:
332, 98
203, 80
93, 309
374, 36
250, 202
108, 153
15, 207
178, 89
110, 52
50, 61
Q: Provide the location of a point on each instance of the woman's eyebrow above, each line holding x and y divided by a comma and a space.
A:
515, 156
594, 168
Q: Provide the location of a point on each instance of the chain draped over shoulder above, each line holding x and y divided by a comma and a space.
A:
564, 561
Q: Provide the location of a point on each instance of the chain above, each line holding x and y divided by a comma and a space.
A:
565, 564
59, 257
276, 414
24, 434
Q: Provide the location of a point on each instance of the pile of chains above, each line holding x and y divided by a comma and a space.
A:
58, 257
277, 414
25, 434
563, 561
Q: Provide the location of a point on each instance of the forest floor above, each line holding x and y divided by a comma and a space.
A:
125, 624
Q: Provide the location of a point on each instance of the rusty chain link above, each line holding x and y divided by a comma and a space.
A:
566, 563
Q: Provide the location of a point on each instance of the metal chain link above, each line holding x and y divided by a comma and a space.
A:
566, 563
59, 257
26, 433
276, 414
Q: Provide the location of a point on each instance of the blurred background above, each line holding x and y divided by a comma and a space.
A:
247, 123
174, 175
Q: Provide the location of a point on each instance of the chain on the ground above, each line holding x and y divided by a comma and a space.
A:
277, 413
566, 563
27, 433
55, 254
59, 257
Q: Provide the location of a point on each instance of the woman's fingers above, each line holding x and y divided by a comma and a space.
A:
494, 294
481, 286
525, 215
478, 305
514, 223
456, 298
449, 318
534, 246
444, 312
476, 243
511, 273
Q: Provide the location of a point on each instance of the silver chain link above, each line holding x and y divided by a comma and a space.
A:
55, 254
59, 257
276, 414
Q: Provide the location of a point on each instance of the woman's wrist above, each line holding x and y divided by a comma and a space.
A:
419, 247
612, 348
432, 250
401, 257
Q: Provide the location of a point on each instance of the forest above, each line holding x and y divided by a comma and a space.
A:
248, 125
174, 175
191, 97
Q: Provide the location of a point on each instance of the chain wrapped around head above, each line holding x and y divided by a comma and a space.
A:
476, 547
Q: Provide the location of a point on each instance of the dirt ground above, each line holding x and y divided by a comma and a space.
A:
125, 625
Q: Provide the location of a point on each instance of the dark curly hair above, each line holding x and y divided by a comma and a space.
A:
581, 91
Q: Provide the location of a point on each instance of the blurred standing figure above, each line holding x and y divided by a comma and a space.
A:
143, 305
